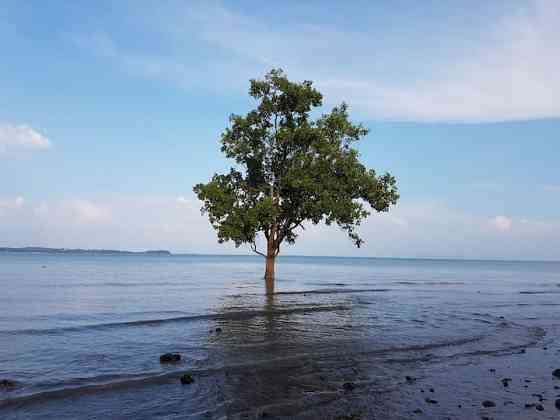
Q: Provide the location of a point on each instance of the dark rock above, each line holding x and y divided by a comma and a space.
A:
557, 404
505, 382
432, 390
218, 330
459, 406
488, 404
539, 407
493, 370
187, 379
509, 403
527, 381
417, 411
530, 405
409, 378
170, 358
556, 387
522, 351
556, 373
7, 384
348, 386
422, 391
430, 401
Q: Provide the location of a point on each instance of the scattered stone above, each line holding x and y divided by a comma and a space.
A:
432, 390
349, 386
187, 379
556, 387
556, 373
522, 351
527, 381
218, 330
459, 406
545, 348
422, 391
502, 317
170, 358
493, 370
409, 378
509, 403
488, 404
557, 404
539, 407
530, 405
417, 411
506, 381
430, 401
7, 384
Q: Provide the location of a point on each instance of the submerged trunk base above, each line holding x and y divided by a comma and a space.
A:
269, 275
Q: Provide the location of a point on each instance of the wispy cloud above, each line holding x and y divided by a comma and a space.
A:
21, 138
413, 228
10, 204
506, 71
501, 223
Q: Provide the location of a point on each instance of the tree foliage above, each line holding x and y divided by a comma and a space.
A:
291, 169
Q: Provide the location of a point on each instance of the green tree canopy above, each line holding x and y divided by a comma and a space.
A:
291, 169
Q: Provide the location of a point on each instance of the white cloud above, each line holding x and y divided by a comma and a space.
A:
502, 223
503, 69
7, 204
11, 203
21, 138
185, 202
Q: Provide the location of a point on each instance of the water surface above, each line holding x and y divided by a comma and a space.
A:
82, 334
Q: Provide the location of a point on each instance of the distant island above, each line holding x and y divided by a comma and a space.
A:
44, 250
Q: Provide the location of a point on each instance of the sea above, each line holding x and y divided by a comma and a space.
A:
342, 338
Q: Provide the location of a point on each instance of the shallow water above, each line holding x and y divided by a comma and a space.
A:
82, 335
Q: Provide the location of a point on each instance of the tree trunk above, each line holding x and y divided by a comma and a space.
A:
269, 274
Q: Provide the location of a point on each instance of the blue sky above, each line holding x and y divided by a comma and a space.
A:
111, 111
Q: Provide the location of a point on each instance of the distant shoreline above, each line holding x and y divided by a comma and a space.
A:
80, 251
45, 250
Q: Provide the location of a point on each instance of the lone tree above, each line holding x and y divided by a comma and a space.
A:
291, 169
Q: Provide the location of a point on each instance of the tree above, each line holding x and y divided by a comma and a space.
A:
291, 169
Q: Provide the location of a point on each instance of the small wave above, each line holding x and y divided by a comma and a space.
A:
429, 283
152, 322
331, 291
539, 292
117, 284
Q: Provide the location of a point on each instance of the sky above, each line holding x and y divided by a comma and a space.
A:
111, 111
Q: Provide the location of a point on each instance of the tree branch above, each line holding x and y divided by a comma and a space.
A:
255, 250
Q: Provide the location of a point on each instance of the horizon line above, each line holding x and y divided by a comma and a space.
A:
165, 252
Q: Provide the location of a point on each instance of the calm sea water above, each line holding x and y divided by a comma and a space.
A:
82, 335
